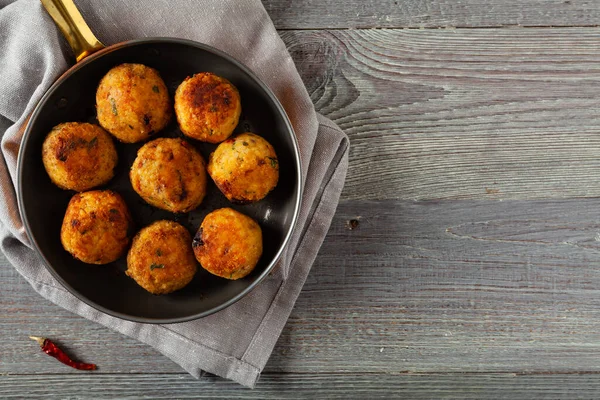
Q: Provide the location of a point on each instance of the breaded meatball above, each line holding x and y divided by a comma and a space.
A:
96, 227
133, 102
169, 174
208, 107
160, 259
228, 244
79, 156
244, 168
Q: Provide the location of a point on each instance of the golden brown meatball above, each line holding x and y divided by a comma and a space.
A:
160, 259
169, 174
79, 156
133, 102
96, 227
208, 107
228, 244
244, 168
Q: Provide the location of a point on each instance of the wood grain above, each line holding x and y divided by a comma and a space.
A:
460, 114
305, 386
419, 287
323, 14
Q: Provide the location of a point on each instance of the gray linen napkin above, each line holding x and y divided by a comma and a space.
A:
236, 342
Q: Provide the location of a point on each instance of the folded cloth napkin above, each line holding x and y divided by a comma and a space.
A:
236, 342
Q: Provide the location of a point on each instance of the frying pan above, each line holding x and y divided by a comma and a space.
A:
72, 98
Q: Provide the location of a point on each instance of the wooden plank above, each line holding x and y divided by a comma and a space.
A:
422, 287
460, 114
23, 312
304, 386
320, 14
452, 286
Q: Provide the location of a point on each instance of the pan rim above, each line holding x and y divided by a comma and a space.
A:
297, 161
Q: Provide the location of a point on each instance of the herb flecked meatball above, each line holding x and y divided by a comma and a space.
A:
228, 244
96, 227
132, 102
244, 168
207, 107
169, 174
160, 259
79, 156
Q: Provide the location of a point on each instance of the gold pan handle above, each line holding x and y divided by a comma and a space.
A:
70, 22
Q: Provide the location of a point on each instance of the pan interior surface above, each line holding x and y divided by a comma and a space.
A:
106, 287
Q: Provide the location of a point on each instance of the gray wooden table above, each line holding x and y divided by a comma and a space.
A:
464, 258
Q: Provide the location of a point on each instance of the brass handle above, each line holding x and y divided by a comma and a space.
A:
70, 22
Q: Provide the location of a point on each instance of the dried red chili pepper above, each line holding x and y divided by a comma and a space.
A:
53, 350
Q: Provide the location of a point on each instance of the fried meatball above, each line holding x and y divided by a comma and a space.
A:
133, 102
207, 107
79, 156
244, 168
169, 174
160, 259
96, 227
228, 244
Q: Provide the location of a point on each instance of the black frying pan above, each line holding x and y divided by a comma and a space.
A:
72, 98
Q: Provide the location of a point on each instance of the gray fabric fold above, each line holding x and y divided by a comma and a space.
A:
234, 343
